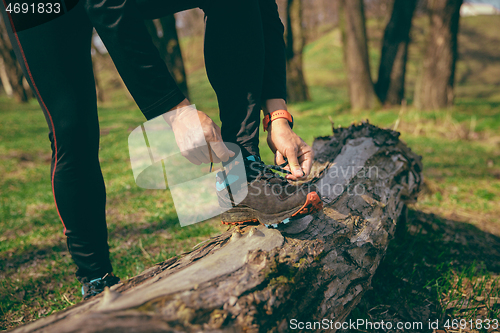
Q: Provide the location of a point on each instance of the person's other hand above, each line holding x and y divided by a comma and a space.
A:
199, 146
286, 144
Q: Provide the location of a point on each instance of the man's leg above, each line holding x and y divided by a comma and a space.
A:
56, 60
274, 83
153, 9
234, 59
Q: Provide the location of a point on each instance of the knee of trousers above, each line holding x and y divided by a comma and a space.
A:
75, 141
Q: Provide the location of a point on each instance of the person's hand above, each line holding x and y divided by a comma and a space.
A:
198, 144
286, 144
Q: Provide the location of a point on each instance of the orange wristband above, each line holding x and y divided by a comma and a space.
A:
276, 115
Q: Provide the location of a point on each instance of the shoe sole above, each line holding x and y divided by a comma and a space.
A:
246, 215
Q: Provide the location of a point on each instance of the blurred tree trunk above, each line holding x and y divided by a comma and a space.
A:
164, 34
352, 25
12, 68
101, 96
435, 89
98, 63
390, 86
297, 90
5, 79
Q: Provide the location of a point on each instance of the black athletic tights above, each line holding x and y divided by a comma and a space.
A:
245, 62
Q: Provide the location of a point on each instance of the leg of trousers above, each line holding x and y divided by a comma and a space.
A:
234, 60
56, 60
244, 58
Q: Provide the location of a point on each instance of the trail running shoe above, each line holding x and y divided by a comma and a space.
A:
96, 286
270, 198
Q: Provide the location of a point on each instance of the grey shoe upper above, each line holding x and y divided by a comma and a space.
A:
267, 191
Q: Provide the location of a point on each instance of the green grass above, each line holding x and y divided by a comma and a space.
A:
439, 269
444, 266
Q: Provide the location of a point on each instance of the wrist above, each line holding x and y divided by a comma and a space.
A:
275, 116
171, 115
274, 104
182, 104
279, 124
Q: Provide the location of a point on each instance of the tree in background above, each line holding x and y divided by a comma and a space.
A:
11, 73
319, 17
435, 87
96, 59
164, 34
297, 90
352, 25
390, 86
4, 79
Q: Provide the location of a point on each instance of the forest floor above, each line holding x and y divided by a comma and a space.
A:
446, 266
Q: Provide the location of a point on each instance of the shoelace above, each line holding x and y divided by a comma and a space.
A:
279, 167
266, 171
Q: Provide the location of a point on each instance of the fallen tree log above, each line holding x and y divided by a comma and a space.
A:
267, 280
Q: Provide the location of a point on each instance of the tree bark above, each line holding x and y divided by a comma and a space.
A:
13, 70
390, 86
297, 90
356, 60
435, 89
257, 279
164, 34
